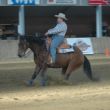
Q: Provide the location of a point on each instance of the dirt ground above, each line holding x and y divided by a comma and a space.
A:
81, 95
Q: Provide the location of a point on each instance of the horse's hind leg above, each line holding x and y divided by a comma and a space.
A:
64, 70
72, 67
68, 72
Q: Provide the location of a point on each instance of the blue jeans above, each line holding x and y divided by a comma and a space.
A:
56, 41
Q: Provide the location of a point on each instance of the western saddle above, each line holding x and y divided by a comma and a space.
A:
63, 45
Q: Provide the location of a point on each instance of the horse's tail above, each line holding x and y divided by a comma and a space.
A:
87, 68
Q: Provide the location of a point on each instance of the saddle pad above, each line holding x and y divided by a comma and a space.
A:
65, 50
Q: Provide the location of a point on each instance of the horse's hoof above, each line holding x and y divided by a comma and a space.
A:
95, 79
29, 83
43, 83
67, 82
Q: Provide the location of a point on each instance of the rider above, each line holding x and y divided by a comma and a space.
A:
58, 33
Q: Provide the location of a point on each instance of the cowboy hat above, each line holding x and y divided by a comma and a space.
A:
61, 15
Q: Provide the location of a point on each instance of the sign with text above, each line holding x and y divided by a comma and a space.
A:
84, 44
72, 2
23, 2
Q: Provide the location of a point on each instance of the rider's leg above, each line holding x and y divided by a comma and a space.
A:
56, 41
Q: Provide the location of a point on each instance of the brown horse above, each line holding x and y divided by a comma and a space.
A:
69, 62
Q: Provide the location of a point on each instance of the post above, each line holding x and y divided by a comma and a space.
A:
0, 2
99, 21
21, 26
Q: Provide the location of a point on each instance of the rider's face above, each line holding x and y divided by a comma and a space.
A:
59, 20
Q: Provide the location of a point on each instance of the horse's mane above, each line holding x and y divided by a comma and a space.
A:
40, 40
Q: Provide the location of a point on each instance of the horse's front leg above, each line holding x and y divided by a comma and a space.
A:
43, 76
35, 74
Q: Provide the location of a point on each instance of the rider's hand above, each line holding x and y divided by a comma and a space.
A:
46, 34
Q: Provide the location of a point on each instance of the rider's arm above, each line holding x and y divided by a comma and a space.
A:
59, 28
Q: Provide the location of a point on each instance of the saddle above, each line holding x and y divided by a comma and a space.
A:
63, 45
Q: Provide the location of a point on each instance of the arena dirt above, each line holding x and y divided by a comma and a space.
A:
82, 94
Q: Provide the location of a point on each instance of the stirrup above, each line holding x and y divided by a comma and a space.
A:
50, 61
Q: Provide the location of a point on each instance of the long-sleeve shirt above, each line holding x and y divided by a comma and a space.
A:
59, 29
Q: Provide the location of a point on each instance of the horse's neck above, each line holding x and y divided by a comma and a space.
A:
37, 49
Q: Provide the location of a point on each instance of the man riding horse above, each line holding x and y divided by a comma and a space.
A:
69, 62
58, 33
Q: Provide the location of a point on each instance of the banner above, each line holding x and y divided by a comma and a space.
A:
84, 44
72, 2
98, 2
23, 2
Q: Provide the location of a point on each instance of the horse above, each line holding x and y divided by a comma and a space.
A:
69, 62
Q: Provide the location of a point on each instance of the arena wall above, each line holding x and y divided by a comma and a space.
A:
9, 48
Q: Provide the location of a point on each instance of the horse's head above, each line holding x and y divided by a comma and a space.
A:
35, 43
22, 46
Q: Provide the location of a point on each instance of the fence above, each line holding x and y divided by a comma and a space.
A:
9, 48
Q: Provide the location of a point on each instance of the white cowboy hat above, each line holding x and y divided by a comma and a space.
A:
61, 15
